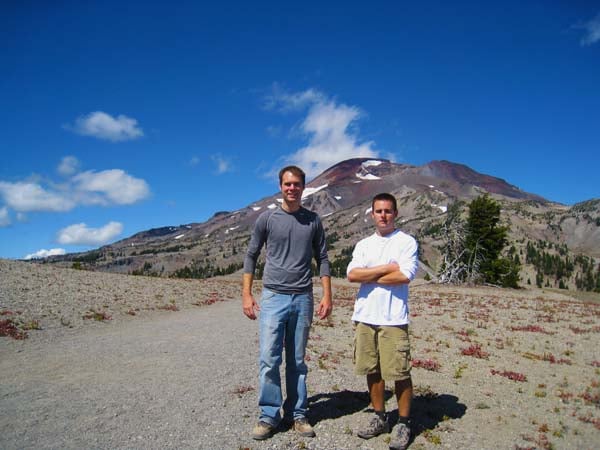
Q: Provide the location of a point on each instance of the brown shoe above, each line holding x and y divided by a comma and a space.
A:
302, 427
262, 431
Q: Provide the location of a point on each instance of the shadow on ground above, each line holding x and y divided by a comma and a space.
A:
332, 405
427, 412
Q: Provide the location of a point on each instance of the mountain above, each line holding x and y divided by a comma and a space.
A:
342, 195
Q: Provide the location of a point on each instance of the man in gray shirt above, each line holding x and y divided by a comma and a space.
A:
293, 235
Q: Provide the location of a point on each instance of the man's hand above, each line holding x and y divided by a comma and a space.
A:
250, 306
325, 307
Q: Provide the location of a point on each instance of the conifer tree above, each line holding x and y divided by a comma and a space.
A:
485, 238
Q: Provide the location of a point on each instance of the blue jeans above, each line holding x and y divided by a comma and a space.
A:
285, 321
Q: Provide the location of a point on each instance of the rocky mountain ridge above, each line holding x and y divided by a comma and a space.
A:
341, 195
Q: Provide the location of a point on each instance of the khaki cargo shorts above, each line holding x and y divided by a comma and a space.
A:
382, 349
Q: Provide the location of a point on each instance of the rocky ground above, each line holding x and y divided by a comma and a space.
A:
102, 360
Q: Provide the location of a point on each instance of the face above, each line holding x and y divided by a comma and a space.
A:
291, 188
384, 215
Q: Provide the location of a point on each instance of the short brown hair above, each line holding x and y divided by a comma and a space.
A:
295, 170
386, 197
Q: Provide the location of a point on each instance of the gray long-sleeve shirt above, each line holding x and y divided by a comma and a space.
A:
292, 239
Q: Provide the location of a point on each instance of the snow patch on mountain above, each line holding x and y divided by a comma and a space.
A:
310, 191
368, 176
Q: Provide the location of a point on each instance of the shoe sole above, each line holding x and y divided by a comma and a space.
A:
399, 447
262, 437
306, 433
371, 436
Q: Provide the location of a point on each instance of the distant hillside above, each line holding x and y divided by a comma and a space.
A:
342, 195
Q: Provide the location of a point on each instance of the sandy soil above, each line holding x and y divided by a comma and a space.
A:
172, 364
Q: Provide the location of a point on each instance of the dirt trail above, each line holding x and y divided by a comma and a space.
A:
159, 382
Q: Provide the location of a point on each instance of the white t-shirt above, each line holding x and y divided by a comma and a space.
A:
378, 304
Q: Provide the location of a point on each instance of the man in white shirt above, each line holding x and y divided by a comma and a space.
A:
384, 263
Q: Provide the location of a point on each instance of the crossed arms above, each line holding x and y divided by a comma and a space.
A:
387, 274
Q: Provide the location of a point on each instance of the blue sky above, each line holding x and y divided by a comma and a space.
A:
120, 116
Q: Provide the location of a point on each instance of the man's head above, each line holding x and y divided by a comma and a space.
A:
384, 212
295, 170
385, 196
291, 181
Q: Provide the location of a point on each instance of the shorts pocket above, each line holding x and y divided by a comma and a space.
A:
403, 356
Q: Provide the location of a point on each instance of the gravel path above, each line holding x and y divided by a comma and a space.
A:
187, 378
182, 379
163, 382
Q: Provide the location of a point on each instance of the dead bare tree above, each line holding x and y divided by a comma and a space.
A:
455, 267
452, 269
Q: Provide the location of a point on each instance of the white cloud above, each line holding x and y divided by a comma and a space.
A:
280, 99
103, 126
110, 186
107, 187
4, 217
328, 126
194, 161
224, 165
331, 140
43, 253
80, 234
27, 196
68, 166
592, 29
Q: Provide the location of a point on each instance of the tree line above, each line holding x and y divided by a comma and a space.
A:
554, 267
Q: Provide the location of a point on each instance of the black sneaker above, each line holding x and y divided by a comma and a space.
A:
401, 437
262, 431
376, 426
